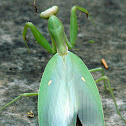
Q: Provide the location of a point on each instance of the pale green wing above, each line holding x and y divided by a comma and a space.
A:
67, 89
55, 102
90, 110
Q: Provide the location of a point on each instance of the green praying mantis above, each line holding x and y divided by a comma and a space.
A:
67, 88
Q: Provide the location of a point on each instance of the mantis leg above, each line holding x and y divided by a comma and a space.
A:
102, 71
110, 89
25, 94
39, 37
74, 25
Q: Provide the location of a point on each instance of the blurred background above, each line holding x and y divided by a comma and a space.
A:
21, 72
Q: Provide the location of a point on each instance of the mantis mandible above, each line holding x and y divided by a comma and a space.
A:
67, 88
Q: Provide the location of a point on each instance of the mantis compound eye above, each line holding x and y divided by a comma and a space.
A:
51, 11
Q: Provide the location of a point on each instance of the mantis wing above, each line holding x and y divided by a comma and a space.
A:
55, 104
90, 110
67, 89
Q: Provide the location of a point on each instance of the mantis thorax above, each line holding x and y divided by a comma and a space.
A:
56, 31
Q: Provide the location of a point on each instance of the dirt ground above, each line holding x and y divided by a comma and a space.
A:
21, 72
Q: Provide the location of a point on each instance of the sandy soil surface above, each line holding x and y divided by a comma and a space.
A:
21, 72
